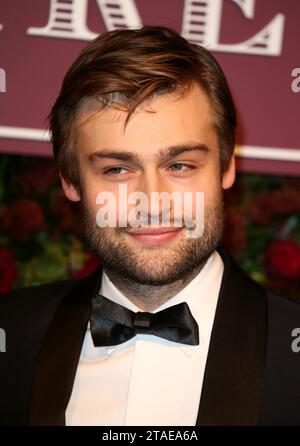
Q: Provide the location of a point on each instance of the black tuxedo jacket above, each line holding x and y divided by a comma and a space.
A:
252, 374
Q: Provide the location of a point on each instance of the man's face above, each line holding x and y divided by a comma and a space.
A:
169, 144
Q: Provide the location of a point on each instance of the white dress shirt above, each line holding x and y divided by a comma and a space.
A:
148, 380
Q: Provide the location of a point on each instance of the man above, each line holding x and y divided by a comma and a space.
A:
169, 330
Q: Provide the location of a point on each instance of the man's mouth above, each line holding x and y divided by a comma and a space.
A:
154, 236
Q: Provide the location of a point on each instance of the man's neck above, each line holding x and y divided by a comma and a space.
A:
150, 297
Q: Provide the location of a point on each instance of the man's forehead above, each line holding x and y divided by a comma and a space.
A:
90, 107
87, 107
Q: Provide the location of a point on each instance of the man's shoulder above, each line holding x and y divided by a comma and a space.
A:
26, 305
25, 315
278, 304
37, 294
283, 314
35, 306
282, 373
282, 304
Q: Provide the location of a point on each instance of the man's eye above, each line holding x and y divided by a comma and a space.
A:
180, 167
115, 170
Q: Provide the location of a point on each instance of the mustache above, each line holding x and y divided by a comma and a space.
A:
146, 220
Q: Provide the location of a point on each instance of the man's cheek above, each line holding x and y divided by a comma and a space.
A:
194, 215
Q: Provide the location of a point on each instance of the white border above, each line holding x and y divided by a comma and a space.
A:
266, 153
24, 133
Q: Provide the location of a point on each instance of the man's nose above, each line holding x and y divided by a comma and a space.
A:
153, 186
152, 181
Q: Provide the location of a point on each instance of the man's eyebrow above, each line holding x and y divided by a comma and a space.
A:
121, 155
163, 154
173, 151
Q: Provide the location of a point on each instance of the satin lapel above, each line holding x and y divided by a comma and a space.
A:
233, 381
59, 355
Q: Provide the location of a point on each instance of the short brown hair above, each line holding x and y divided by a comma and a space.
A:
134, 65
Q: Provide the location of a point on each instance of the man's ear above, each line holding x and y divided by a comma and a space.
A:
229, 175
70, 191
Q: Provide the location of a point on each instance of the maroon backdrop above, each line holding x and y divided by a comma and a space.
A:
263, 73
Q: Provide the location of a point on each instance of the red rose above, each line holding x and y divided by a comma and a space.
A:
89, 267
22, 219
282, 259
8, 270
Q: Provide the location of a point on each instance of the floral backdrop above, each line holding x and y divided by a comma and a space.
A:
42, 237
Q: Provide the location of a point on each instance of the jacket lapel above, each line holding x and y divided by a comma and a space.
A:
60, 353
233, 381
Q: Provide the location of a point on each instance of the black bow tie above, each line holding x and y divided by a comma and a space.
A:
113, 324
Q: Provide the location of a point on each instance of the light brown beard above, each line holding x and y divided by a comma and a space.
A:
155, 266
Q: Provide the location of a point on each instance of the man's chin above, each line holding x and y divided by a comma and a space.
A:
155, 267
143, 278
